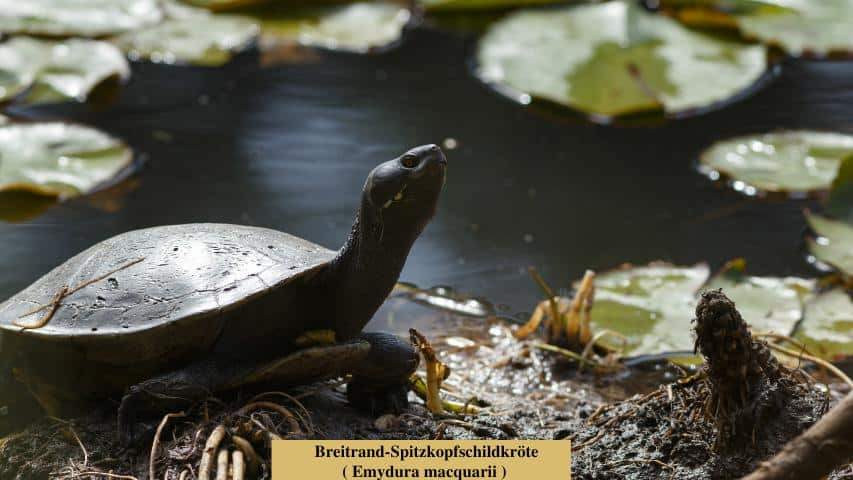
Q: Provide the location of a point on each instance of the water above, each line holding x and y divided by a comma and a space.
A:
289, 146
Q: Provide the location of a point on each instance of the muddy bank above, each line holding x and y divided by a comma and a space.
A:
741, 408
641, 423
526, 397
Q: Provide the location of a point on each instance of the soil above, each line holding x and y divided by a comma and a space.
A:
658, 433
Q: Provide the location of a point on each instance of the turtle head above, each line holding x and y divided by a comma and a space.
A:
399, 199
400, 196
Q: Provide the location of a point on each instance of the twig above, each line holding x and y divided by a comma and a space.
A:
64, 292
156, 443
54, 306
823, 363
306, 420
291, 419
594, 439
568, 353
82, 447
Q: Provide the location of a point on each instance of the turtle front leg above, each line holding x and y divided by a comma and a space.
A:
380, 381
165, 393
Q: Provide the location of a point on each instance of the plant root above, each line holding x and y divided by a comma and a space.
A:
155, 444
222, 464
210, 448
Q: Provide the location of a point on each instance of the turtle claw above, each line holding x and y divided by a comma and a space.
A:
378, 400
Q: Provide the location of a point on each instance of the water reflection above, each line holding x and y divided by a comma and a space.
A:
289, 147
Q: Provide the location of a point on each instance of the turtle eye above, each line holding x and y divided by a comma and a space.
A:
409, 161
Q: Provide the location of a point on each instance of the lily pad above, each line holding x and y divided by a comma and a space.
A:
223, 5
840, 201
800, 27
54, 71
834, 244
82, 18
191, 35
462, 5
827, 329
358, 27
614, 59
651, 305
789, 161
58, 159
768, 304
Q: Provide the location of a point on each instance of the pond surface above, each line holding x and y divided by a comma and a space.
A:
289, 146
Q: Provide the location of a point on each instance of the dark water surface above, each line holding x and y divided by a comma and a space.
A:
289, 146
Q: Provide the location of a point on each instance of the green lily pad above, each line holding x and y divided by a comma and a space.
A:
834, 245
358, 27
59, 159
191, 35
56, 71
818, 28
82, 18
461, 5
651, 305
223, 5
840, 201
827, 329
789, 161
800, 27
768, 304
614, 59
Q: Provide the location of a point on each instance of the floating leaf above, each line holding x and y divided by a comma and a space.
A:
461, 5
827, 328
651, 305
768, 304
56, 71
840, 201
58, 159
614, 59
222, 5
800, 27
83, 18
790, 161
191, 35
834, 245
358, 27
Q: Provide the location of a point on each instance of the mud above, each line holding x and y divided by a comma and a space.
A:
740, 409
660, 432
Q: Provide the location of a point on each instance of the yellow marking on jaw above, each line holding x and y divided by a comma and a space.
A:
316, 337
397, 197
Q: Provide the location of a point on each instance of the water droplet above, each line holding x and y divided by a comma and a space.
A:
528, 238
450, 143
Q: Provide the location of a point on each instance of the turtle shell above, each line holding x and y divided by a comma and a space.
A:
158, 293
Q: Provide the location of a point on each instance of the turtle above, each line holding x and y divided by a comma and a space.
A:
175, 313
